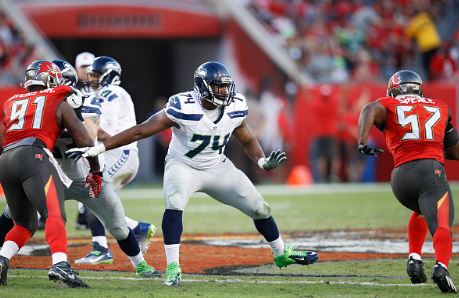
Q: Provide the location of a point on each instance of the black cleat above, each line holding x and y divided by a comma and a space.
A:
4, 263
415, 270
441, 277
62, 272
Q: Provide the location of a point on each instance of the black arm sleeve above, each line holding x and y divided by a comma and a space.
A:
451, 137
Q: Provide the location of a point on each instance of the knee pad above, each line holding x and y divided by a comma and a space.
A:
175, 201
263, 211
119, 232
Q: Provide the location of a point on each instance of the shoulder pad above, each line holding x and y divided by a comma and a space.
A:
181, 100
108, 94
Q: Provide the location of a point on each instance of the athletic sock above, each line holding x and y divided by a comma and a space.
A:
417, 232
268, 228
59, 257
172, 253
9, 249
137, 259
95, 225
443, 245
129, 246
172, 226
55, 234
277, 246
101, 240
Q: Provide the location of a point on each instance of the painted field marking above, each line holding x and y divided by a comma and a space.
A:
241, 281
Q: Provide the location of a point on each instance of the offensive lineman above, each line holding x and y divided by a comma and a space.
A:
419, 135
202, 122
117, 114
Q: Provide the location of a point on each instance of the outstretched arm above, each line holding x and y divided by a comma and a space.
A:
253, 150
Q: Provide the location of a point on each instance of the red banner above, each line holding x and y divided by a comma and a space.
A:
121, 21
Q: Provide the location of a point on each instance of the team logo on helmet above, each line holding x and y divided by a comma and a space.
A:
49, 67
201, 72
395, 80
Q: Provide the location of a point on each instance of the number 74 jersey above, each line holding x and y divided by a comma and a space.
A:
198, 141
415, 127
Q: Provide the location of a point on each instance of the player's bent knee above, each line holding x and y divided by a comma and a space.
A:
119, 232
263, 211
175, 201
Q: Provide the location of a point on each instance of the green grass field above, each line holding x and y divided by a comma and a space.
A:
322, 208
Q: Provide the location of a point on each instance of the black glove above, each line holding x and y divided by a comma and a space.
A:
369, 150
273, 160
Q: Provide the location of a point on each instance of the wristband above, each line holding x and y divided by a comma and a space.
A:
261, 163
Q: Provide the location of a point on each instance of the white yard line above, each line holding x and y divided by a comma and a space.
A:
242, 281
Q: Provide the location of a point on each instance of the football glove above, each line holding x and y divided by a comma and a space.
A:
94, 184
77, 153
272, 161
369, 150
75, 100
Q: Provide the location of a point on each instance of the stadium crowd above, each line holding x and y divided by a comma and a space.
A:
363, 40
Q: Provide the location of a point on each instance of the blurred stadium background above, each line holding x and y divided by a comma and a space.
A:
306, 66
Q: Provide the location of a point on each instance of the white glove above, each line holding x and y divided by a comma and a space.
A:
75, 100
85, 151
273, 161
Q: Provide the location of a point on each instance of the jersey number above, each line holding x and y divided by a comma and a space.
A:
205, 141
19, 110
413, 121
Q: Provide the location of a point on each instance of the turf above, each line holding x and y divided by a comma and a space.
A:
316, 211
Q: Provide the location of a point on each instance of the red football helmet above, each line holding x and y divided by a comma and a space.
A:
42, 73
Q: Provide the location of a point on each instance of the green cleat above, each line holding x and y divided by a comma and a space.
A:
173, 274
146, 271
291, 256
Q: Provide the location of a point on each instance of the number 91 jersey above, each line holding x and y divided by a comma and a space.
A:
198, 141
415, 127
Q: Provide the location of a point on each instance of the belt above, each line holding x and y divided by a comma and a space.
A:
30, 141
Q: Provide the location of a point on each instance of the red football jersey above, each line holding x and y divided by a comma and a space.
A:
33, 114
415, 127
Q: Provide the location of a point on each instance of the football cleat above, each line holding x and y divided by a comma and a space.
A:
61, 272
4, 264
173, 274
143, 233
441, 277
415, 270
98, 255
146, 271
292, 256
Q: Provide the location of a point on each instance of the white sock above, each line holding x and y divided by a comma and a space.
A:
277, 246
80, 208
172, 253
135, 260
9, 249
443, 265
414, 256
59, 257
132, 224
102, 240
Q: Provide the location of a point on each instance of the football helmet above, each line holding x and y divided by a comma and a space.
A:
213, 82
42, 73
404, 82
69, 74
104, 71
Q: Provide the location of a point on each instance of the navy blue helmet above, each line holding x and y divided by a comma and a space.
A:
213, 82
69, 74
106, 69
404, 82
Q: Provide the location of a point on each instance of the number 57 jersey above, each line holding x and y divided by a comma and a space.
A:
415, 127
198, 141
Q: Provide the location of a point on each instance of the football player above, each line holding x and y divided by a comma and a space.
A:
121, 164
32, 122
202, 121
419, 134
108, 206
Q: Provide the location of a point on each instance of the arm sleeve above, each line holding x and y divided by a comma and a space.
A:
451, 137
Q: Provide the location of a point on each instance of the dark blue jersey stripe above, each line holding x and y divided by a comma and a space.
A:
178, 115
237, 114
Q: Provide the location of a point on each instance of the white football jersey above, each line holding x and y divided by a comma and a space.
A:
77, 169
118, 112
199, 142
